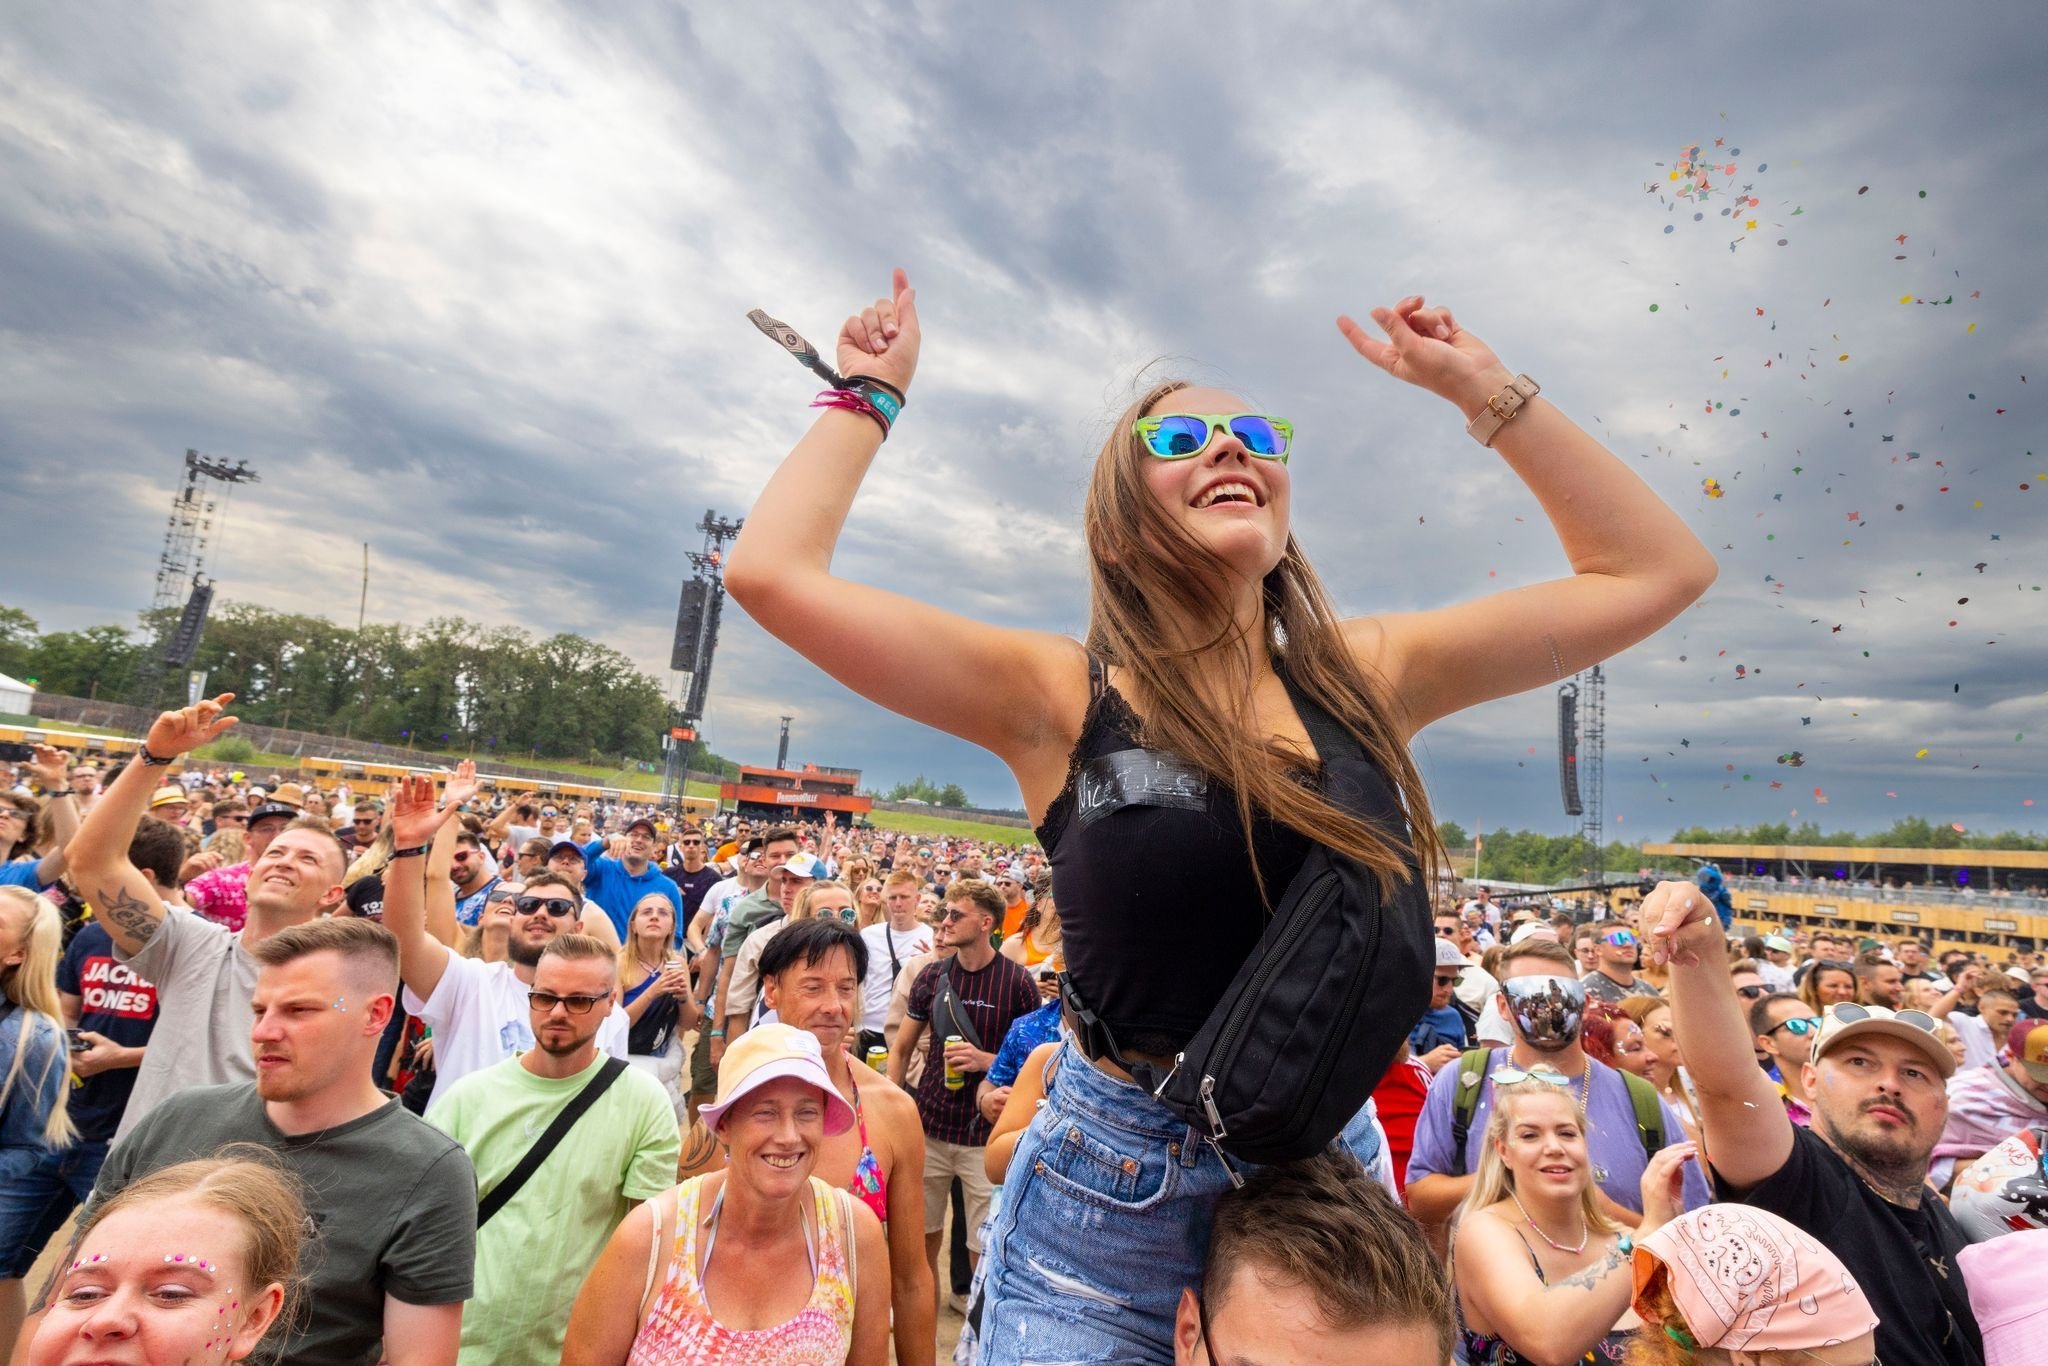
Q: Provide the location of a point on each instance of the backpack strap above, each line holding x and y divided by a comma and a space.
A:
1332, 741
1097, 680
1649, 1112
1472, 1067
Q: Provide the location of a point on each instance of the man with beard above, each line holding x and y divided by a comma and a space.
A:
811, 975
204, 974
1614, 978
1879, 981
478, 1011
1857, 1178
474, 872
392, 1197
1544, 1004
617, 884
621, 1150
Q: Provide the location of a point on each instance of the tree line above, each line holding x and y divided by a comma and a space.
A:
448, 684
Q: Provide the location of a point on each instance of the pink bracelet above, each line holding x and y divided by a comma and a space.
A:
852, 402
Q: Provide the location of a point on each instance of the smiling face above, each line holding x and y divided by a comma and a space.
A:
1544, 1145
1230, 501
772, 1135
531, 930
298, 875
822, 997
130, 1301
1833, 984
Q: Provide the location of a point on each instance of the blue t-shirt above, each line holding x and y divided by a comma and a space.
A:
42, 1079
1436, 1028
470, 909
1026, 1033
22, 873
115, 1002
607, 882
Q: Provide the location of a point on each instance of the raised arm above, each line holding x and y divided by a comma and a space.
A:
124, 899
49, 772
1743, 1121
1635, 564
441, 922
422, 959
983, 683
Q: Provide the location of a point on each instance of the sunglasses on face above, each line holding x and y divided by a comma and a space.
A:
1756, 993
1178, 436
560, 909
1448, 979
1446, 931
687, 843
1621, 939
546, 1001
1800, 1027
950, 916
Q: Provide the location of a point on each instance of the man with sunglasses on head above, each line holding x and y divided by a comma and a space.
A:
1614, 978
1544, 1004
478, 1011
1783, 1027
1857, 1178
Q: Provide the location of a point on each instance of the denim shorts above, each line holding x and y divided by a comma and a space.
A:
1104, 1220
38, 1190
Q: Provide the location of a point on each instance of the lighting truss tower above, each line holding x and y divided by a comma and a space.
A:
181, 585
696, 641
1592, 768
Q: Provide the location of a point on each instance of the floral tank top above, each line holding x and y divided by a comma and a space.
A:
680, 1331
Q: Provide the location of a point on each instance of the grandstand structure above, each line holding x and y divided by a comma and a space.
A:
1965, 898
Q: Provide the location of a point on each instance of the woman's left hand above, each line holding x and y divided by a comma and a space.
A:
1663, 1185
1426, 347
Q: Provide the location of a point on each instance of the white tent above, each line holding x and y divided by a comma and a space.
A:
14, 695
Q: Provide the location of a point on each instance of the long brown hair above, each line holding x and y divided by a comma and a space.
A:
1139, 561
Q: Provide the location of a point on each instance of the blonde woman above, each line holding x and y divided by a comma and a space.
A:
1541, 1274
34, 1098
654, 987
1037, 941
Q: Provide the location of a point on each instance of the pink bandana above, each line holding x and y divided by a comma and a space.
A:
1746, 1279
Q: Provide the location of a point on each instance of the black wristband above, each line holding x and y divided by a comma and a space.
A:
853, 381
51, 794
152, 761
413, 852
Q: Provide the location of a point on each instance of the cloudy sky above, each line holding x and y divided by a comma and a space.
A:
468, 282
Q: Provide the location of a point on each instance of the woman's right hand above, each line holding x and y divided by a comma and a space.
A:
1664, 1186
882, 340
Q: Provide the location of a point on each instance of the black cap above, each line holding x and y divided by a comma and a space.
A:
640, 821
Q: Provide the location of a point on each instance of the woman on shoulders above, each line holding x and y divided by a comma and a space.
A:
1201, 599
760, 1262
1542, 1275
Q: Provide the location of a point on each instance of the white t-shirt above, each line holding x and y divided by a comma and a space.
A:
1978, 1047
479, 1015
881, 978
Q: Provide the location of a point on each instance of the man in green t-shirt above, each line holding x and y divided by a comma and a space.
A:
532, 1255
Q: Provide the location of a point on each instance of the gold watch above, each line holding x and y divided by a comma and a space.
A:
1501, 408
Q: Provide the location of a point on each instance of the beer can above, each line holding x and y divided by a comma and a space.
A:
955, 1078
878, 1058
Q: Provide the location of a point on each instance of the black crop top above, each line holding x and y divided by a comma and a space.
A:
1158, 906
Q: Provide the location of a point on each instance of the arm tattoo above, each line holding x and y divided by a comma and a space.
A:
699, 1145
1594, 1274
136, 919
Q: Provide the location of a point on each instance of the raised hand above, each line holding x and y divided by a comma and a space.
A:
49, 768
414, 816
883, 339
1680, 925
179, 732
462, 785
1663, 1185
1427, 348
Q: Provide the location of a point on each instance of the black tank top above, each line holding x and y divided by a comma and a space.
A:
1158, 906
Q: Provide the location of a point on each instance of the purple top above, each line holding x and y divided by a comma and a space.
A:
1611, 1138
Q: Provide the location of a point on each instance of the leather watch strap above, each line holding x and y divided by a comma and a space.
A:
1501, 408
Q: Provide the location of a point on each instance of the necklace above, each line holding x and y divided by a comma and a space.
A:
1585, 1229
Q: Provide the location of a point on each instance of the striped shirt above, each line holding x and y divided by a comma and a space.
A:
991, 999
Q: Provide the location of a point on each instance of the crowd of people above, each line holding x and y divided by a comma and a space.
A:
474, 1076
330, 1043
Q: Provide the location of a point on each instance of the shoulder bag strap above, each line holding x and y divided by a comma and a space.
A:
1649, 1110
502, 1193
1331, 739
956, 1018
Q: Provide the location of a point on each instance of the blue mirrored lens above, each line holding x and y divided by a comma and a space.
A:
1259, 436
1179, 436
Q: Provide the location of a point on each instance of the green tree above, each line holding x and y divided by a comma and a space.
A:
953, 795
17, 640
96, 662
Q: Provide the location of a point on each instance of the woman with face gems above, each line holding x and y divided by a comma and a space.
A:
1209, 634
192, 1263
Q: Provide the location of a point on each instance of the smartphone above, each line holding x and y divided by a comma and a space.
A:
74, 1040
14, 752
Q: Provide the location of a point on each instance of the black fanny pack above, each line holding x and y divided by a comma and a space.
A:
1315, 1015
